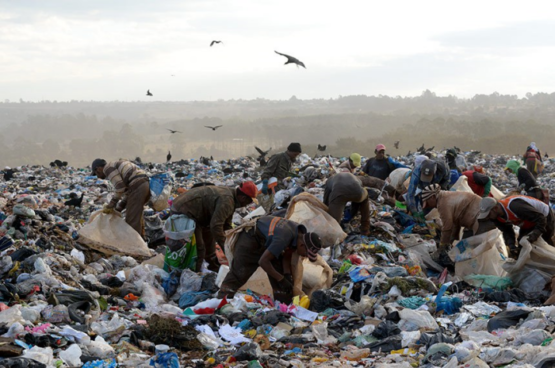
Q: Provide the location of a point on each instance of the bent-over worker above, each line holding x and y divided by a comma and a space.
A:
526, 179
479, 182
212, 209
345, 187
279, 166
532, 216
132, 190
270, 245
351, 164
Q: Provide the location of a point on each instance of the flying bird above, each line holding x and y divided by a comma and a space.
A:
291, 60
148, 93
169, 156
213, 42
213, 128
174, 131
430, 149
321, 148
396, 144
262, 153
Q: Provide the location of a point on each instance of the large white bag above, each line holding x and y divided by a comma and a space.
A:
110, 234
307, 210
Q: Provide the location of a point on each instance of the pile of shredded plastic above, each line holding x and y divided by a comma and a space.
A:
378, 300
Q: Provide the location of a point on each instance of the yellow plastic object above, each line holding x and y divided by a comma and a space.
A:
406, 351
301, 302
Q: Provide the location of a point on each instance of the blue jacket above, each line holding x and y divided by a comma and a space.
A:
441, 177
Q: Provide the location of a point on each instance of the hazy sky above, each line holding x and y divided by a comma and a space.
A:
117, 49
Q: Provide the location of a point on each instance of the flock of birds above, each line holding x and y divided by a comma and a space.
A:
290, 60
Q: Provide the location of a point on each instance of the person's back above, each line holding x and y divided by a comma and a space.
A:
342, 185
200, 203
462, 207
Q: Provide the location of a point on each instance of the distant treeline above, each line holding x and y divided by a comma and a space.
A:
78, 131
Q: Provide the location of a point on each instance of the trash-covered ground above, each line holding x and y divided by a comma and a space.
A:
378, 300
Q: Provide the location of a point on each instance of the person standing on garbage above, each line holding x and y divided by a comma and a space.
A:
270, 245
279, 166
526, 180
351, 164
478, 181
381, 165
212, 209
346, 187
429, 172
456, 210
132, 190
532, 216
533, 160
451, 158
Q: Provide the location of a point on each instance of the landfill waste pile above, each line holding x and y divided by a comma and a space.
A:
82, 289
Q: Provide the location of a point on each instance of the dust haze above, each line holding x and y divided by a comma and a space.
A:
37, 133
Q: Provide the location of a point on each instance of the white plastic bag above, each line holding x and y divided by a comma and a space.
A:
179, 227
110, 234
534, 266
412, 320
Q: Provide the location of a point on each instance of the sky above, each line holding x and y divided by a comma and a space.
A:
108, 50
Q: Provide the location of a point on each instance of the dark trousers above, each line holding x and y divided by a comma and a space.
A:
337, 206
248, 251
138, 195
206, 248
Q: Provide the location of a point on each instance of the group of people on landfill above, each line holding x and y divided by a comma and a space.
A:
272, 241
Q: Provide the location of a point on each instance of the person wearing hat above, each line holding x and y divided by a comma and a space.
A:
381, 165
429, 172
451, 158
212, 209
270, 245
526, 180
456, 210
532, 216
279, 166
343, 188
478, 181
351, 164
132, 190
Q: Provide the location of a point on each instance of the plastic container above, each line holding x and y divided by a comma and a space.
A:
160, 349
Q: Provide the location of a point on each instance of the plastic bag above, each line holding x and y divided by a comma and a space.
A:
72, 356
179, 227
507, 319
307, 210
165, 360
482, 254
110, 234
412, 320
534, 266
189, 281
182, 258
160, 191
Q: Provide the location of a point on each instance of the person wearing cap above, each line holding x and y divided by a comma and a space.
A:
526, 180
429, 172
270, 244
451, 158
456, 210
279, 166
351, 164
532, 216
381, 165
132, 190
343, 188
478, 181
212, 209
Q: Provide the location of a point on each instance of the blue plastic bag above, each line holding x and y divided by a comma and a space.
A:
449, 305
111, 363
165, 360
158, 182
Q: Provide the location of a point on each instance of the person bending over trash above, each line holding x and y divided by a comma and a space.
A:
279, 166
132, 190
533, 160
456, 210
429, 172
526, 180
351, 164
212, 209
381, 165
478, 181
270, 245
346, 187
532, 216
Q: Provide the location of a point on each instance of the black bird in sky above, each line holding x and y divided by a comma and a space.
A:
321, 148
396, 144
213, 42
169, 156
421, 149
213, 128
291, 60
148, 93
262, 153
174, 131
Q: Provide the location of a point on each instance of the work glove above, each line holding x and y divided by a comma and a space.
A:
285, 285
533, 236
419, 216
108, 209
265, 186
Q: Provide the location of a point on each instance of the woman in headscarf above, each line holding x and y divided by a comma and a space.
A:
533, 160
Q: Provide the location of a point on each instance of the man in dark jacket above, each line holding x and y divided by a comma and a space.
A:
212, 209
279, 166
526, 180
381, 166
428, 173
532, 216
346, 187
270, 245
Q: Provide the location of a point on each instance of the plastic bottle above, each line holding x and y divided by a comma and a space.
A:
355, 355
